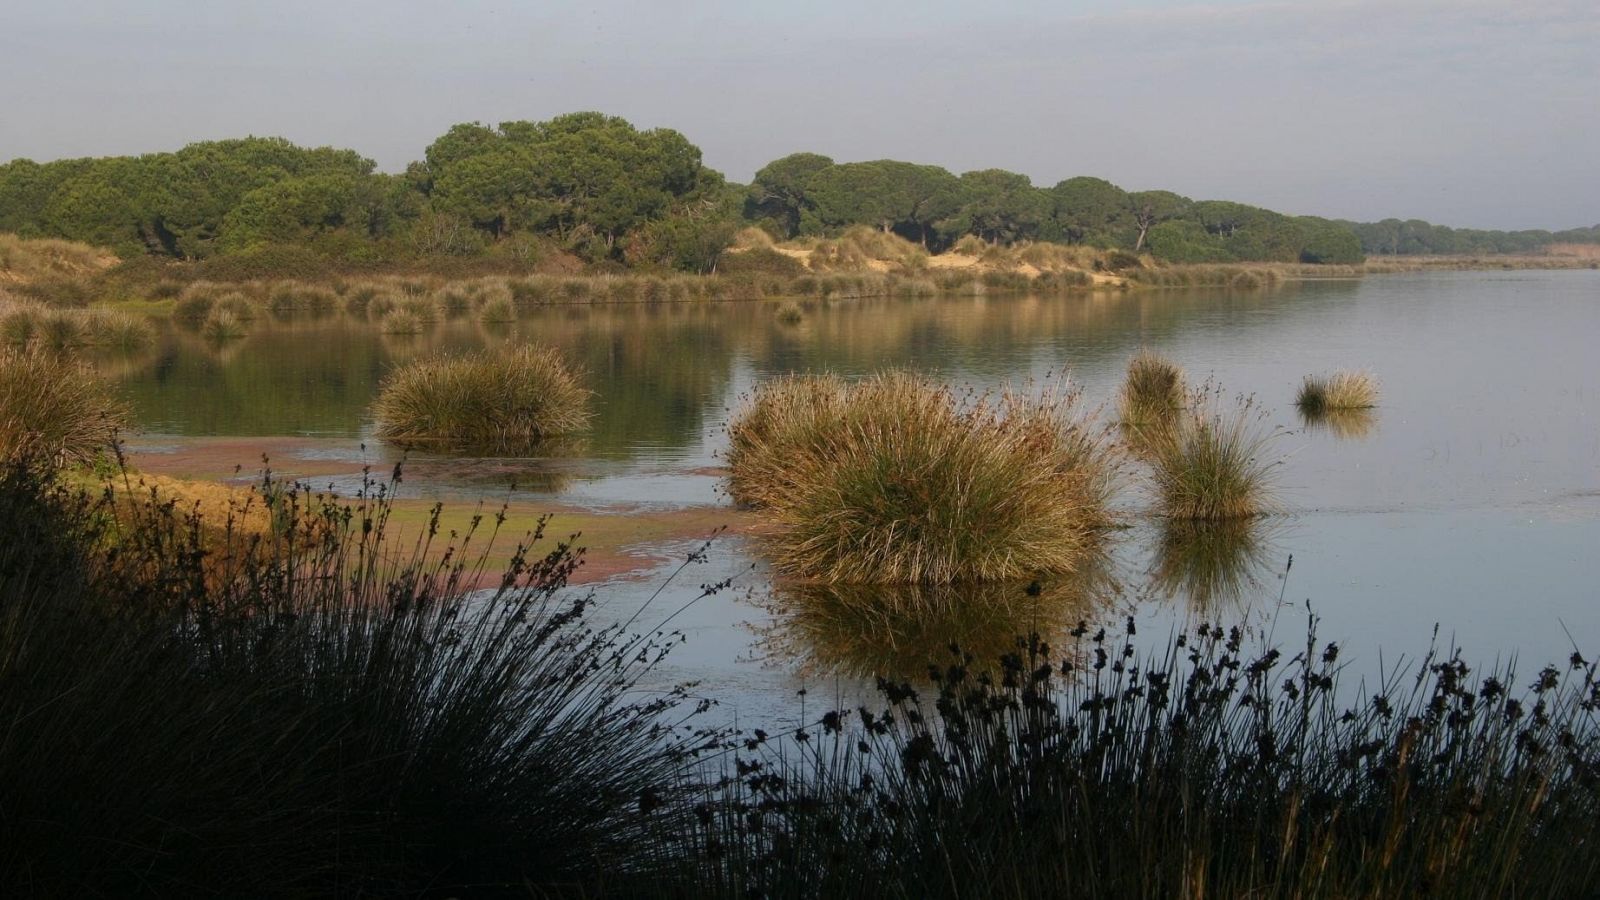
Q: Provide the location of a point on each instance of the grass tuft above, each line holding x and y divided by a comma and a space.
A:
1153, 391
489, 401
1339, 391
1210, 464
896, 480
52, 408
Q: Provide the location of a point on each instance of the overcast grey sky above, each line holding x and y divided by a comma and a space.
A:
1464, 112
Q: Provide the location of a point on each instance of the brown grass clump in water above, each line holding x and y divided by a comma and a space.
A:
789, 313
483, 400
498, 311
1341, 390
895, 480
1153, 391
53, 408
222, 325
400, 321
1213, 465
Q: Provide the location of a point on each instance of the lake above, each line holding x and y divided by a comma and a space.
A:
1470, 500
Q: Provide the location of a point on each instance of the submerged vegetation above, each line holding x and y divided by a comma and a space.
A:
896, 479
499, 401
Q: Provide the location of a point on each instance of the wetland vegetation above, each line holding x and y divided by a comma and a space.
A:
216, 686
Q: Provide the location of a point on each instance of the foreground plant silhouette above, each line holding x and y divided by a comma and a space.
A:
318, 709
1199, 770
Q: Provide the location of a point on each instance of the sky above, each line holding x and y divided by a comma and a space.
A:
1463, 112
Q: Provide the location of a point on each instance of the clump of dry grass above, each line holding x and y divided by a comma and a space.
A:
30, 325
1339, 391
400, 321
52, 408
483, 400
222, 325
26, 259
789, 313
498, 311
897, 480
1153, 391
1213, 464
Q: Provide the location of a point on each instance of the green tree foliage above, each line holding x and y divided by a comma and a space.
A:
998, 206
1328, 242
1150, 208
1091, 211
901, 197
300, 210
781, 193
586, 177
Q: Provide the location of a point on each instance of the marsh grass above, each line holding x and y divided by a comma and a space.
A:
1339, 391
222, 325
789, 313
1197, 769
1153, 391
400, 321
511, 400
897, 480
1214, 463
333, 709
29, 325
53, 408
498, 311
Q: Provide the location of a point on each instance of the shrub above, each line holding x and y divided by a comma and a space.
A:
893, 480
194, 305
52, 408
490, 401
1213, 465
789, 313
117, 330
1340, 391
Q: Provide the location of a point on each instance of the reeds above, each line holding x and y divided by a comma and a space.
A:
497, 311
1200, 768
53, 409
332, 707
29, 325
1339, 391
789, 313
505, 401
1214, 464
896, 480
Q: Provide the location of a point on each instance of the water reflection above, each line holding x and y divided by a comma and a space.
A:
865, 631
1215, 567
1343, 424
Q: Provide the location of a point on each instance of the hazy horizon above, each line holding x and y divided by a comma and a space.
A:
1463, 112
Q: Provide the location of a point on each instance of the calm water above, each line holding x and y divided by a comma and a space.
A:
1471, 502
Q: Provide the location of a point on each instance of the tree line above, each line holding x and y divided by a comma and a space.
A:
598, 187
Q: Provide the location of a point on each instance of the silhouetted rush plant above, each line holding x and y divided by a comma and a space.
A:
321, 709
1199, 770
